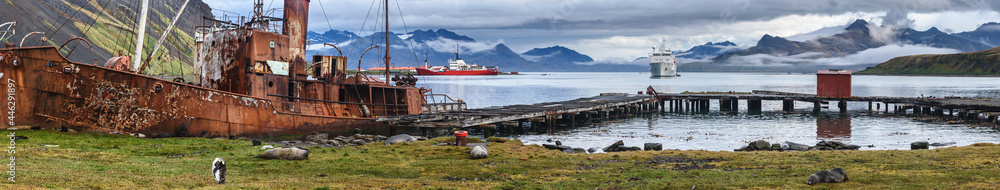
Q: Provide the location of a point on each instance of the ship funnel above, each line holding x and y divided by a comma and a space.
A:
296, 17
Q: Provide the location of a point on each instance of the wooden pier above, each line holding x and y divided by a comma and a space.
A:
610, 105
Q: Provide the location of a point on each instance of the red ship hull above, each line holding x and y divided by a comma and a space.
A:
422, 71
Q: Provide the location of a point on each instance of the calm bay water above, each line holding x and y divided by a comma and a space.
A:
726, 132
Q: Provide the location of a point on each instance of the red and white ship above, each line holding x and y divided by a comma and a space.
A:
457, 67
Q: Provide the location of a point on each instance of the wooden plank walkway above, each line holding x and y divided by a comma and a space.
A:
483, 116
625, 104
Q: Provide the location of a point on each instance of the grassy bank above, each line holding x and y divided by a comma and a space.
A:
91, 160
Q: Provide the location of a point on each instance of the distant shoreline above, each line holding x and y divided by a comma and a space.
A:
930, 75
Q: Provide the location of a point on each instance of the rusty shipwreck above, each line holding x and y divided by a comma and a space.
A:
252, 80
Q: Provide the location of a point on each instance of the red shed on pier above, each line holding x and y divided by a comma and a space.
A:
833, 83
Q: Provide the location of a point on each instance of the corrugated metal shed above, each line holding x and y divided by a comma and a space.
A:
833, 83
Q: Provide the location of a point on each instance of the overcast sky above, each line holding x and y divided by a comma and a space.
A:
628, 28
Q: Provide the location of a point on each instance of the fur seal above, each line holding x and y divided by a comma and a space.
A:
478, 152
219, 170
292, 153
835, 175
404, 138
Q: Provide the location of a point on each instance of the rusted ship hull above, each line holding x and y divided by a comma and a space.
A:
45, 89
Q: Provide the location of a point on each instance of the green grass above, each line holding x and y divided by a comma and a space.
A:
91, 160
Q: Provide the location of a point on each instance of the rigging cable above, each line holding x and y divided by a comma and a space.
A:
353, 45
68, 19
327, 19
85, 32
406, 30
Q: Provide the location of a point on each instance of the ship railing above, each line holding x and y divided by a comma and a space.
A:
442, 103
339, 108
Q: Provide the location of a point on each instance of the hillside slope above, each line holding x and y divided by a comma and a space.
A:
110, 26
986, 62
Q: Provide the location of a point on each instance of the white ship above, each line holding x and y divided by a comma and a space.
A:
662, 62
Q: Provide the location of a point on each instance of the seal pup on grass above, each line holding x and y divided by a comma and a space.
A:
219, 170
478, 152
403, 138
287, 153
835, 175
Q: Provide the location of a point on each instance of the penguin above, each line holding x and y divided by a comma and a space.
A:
219, 170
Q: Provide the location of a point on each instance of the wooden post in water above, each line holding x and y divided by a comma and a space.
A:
736, 105
754, 106
816, 106
725, 105
870, 110
842, 104
788, 105
704, 106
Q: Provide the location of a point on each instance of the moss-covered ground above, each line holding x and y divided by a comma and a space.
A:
105, 161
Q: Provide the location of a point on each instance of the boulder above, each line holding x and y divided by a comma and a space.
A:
575, 150
759, 145
614, 146
943, 144
256, 142
556, 147
852, 147
919, 145
317, 137
478, 152
652, 146
620, 146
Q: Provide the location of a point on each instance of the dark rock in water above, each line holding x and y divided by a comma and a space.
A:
256, 142
833, 145
556, 147
652, 146
317, 137
36, 128
558, 143
756, 146
943, 144
64, 129
919, 145
575, 150
620, 146
760, 145
20, 138
164, 135
591, 150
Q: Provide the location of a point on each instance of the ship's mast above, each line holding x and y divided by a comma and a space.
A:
141, 35
387, 42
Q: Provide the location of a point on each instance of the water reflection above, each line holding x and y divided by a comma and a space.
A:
837, 127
